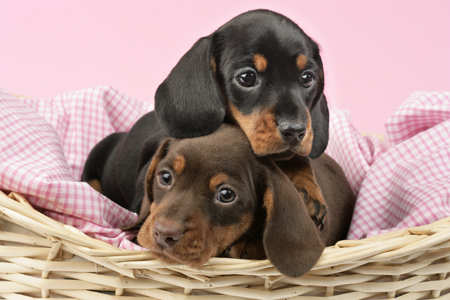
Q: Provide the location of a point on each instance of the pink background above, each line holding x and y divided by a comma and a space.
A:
375, 53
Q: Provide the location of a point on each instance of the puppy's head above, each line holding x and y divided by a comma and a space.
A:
211, 194
259, 70
202, 197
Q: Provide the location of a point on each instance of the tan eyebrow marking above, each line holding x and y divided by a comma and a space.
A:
178, 164
217, 180
301, 61
260, 62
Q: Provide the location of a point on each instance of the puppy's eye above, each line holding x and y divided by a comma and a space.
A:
226, 195
247, 79
307, 80
165, 178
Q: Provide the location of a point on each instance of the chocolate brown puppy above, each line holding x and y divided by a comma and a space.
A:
212, 196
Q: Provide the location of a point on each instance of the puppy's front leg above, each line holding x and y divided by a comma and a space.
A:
247, 247
300, 172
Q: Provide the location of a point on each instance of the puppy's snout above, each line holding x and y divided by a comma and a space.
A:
166, 235
292, 132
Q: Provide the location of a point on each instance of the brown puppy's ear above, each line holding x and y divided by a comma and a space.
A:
189, 103
291, 240
160, 155
320, 123
149, 171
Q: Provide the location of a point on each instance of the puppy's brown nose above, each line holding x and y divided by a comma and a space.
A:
292, 132
166, 235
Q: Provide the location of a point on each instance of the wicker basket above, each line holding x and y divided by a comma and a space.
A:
40, 257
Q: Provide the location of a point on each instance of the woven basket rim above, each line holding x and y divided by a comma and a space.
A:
412, 263
385, 246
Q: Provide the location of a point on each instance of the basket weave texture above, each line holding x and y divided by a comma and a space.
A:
45, 258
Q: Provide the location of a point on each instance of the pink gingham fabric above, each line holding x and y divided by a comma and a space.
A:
45, 142
408, 184
43, 146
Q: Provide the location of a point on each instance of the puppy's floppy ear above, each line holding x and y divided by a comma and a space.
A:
320, 124
291, 240
160, 155
319, 112
189, 103
145, 179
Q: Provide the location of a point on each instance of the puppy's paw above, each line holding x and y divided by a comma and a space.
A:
315, 204
245, 248
301, 174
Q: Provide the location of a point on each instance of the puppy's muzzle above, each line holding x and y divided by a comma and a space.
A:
292, 132
166, 235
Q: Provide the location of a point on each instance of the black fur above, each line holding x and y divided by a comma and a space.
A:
194, 99
118, 160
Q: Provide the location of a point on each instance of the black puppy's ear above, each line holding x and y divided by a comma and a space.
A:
291, 240
319, 113
146, 176
320, 124
189, 103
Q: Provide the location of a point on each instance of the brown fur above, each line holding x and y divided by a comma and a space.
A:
302, 176
260, 128
260, 62
178, 164
283, 111
216, 180
181, 206
277, 54
195, 247
268, 202
302, 60
273, 223
96, 185
220, 198
275, 199
213, 66
305, 146
262, 132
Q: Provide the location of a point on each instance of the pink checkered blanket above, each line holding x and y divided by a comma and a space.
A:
44, 143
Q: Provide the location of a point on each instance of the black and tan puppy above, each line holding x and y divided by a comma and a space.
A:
261, 72
210, 196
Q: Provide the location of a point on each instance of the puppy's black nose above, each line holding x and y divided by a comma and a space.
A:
166, 235
292, 132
